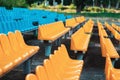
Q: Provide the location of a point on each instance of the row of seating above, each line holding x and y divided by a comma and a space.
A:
114, 32
52, 32
109, 52
105, 42
14, 51
101, 30
25, 16
111, 72
22, 26
9, 14
74, 23
80, 39
59, 66
116, 27
71, 23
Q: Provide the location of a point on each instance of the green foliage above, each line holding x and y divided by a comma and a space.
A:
13, 3
72, 6
60, 6
97, 9
93, 9
34, 5
42, 5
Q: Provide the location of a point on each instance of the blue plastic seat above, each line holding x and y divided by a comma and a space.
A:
61, 17
68, 16
4, 27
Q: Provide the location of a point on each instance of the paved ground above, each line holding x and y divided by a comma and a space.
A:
93, 68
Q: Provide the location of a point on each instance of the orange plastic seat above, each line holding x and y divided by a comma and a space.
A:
113, 77
31, 77
65, 53
52, 31
71, 23
11, 54
114, 74
64, 66
8, 49
101, 30
32, 49
105, 42
80, 19
50, 71
80, 39
1, 71
115, 26
5, 62
103, 49
24, 52
64, 71
16, 47
111, 49
114, 30
59, 67
41, 73
110, 72
88, 26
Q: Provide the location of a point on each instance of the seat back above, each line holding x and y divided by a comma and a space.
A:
88, 26
31, 77
103, 49
113, 75
70, 22
117, 36
64, 51
55, 64
6, 45
57, 60
41, 32
3, 56
49, 70
41, 73
115, 26
108, 67
13, 41
20, 38
59, 25
75, 39
52, 28
80, 19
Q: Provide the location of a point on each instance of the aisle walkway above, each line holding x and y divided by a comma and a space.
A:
94, 62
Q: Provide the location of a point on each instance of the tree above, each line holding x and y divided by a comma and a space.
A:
72, 1
31, 1
109, 5
80, 4
101, 3
62, 2
117, 4
53, 2
93, 3
13, 3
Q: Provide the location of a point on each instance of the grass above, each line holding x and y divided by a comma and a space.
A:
88, 14
70, 10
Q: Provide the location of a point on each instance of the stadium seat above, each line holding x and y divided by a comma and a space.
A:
41, 73
31, 77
